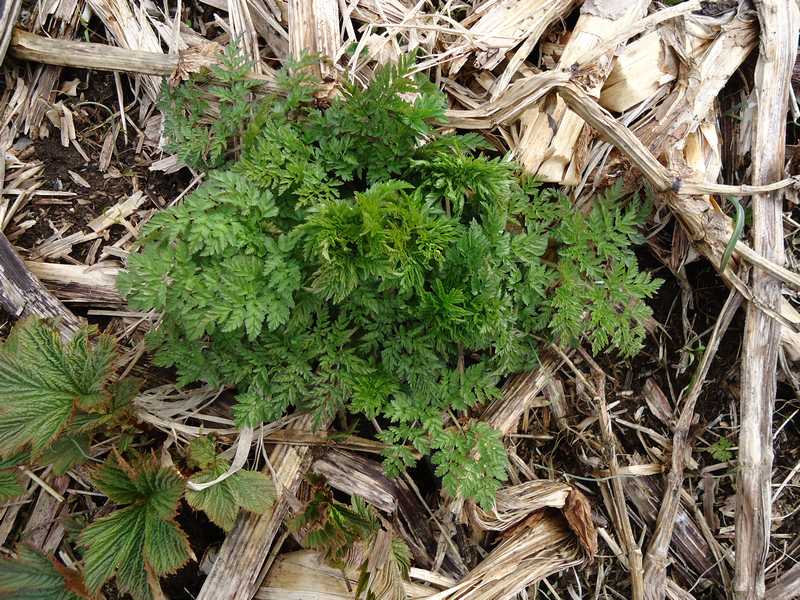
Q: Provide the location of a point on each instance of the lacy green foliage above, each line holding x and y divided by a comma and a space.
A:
351, 537
249, 490
599, 289
722, 449
353, 259
141, 541
33, 576
203, 116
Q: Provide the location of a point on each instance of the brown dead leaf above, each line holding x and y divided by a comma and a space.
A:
70, 88
578, 513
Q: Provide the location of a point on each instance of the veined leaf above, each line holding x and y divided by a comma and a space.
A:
250, 490
140, 539
66, 452
33, 576
9, 485
43, 380
202, 452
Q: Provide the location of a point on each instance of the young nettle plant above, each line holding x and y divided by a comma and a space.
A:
352, 538
349, 257
56, 398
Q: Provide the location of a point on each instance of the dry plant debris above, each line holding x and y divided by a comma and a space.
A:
675, 473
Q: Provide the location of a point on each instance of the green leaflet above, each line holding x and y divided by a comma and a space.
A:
250, 490
141, 539
33, 576
43, 381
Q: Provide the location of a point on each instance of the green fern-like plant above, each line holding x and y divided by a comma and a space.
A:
141, 541
204, 116
352, 258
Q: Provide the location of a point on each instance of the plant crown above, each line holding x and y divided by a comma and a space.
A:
348, 256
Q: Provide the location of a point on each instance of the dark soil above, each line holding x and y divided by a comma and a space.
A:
129, 171
203, 535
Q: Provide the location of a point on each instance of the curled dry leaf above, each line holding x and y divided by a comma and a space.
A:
578, 513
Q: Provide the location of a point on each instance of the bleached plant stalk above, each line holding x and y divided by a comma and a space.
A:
656, 559
314, 28
778, 50
551, 131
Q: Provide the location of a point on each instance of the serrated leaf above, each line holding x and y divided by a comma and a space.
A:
114, 545
33, 576
66, 452
140, 539
43, 380
254, 491
166, 547
250, 490
201, 452
217, 501
113, 481
9, 486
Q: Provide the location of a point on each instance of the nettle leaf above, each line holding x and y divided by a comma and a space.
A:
66, 453
33, 576
140, 542
250, 490
202, 452
44, 380
10, 486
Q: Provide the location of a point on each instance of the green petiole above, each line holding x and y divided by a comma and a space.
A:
738, 227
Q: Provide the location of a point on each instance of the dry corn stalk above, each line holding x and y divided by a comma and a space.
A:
777, 54
519, 393
95, 284
699, 86
314, 28
549, 145
636, 74
305, 575
555, 533
514, 504
498, 26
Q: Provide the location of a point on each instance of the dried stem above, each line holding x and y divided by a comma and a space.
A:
778, 49
656, 559
22, 295
632, 550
